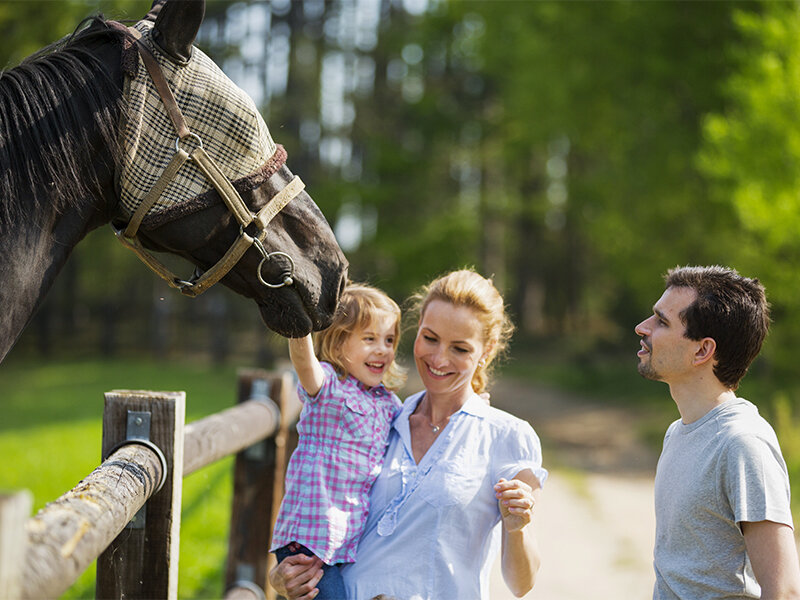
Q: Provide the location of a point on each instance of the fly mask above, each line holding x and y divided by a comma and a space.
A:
209, 131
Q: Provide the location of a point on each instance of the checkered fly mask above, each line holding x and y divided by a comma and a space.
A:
219, 113
187, 129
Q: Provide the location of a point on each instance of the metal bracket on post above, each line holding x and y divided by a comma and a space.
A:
143, 439
244, 580
139, 429
138, 432
138, 425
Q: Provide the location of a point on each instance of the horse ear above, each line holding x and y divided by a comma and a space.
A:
177, 22
154, 10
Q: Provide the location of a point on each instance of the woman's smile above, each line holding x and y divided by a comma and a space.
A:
437, 372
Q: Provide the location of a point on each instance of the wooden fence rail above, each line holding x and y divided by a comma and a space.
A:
126, 513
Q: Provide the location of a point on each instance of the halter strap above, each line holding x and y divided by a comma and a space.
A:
162, 87
197, 284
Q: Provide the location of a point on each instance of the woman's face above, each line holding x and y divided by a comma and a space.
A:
448, 347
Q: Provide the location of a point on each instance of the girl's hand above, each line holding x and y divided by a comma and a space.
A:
516, 502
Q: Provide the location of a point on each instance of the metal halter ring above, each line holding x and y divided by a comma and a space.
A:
288, 278
194, 136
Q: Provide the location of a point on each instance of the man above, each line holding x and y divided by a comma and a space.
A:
723, 522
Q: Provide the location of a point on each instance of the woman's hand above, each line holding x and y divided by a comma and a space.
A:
516, 501
520, 550
296, 577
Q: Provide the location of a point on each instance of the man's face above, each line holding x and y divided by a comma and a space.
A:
666, 354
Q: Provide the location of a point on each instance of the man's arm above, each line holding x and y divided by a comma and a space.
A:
773, 555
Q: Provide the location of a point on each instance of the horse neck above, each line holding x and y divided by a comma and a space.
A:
32, 252
40, 230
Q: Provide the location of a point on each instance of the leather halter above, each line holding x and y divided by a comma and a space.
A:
199, 283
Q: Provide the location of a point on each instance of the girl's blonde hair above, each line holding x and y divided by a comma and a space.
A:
359, 305
469, 289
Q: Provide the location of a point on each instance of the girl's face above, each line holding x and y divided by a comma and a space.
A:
448, 347
367, 353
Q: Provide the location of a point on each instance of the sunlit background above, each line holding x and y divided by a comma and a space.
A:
572, 150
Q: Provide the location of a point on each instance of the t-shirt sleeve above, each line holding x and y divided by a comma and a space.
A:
327, 384
517, 449
756, 480
670, 431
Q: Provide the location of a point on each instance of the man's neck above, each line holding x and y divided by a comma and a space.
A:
697, 398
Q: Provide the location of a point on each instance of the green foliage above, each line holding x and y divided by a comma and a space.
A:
26, 26
751, 151
553, 145
785, 421
50, 438
550, 144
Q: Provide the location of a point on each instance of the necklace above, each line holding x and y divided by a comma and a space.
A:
434, 427
437, 428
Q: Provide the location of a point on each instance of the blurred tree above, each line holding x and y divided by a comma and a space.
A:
752, 151
417, 140
23, 31
25, 26
551, 144
601, 111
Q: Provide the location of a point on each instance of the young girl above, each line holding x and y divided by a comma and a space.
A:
343, 429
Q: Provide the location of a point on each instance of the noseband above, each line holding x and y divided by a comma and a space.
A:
189, 146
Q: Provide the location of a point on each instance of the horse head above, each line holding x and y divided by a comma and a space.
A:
291, 264
231, 169
87, 139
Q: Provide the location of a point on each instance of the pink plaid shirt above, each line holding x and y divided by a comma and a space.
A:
343, 433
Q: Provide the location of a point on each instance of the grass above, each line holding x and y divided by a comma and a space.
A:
50, 438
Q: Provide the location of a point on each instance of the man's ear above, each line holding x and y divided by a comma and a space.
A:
705, 351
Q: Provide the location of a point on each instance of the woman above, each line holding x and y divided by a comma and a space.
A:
459, 478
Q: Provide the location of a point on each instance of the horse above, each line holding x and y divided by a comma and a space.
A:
72, 159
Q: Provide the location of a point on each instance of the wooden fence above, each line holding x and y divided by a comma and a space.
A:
126, 513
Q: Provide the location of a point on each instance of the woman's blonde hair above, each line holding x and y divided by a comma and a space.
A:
359, 306
469, 289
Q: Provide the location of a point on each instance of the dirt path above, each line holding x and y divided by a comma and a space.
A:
595, 521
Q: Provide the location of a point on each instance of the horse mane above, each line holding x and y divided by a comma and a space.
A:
50, 105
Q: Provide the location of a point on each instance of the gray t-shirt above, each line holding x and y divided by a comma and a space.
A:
714, 473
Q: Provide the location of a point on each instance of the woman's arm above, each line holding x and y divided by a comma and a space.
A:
309, 371
520, 557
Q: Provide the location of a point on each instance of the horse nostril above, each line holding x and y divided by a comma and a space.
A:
334, 299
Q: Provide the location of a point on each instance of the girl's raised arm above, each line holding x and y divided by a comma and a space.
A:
309, 371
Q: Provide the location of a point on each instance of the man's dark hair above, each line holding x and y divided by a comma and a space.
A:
731, 309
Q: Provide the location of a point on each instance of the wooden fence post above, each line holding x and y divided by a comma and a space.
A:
142, 562
258, 489
14, 512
